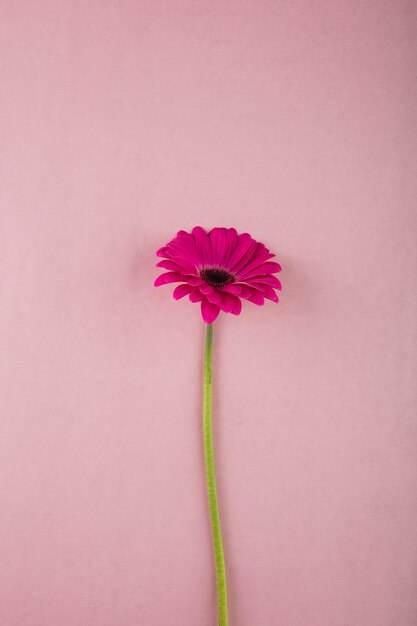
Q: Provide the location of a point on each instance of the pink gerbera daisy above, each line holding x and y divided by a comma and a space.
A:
218, 268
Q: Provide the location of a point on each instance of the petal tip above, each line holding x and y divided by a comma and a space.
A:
209, 311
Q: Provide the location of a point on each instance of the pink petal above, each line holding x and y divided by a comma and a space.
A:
203, 245
196, 295
168, 277
184, 246
195, 282
260, 255
186, 264
244, 243
231, 244
235, 289
209, 311
245, 292
162, 251
181, 291
269, 293
248, 257
269, 280
218, 239
169, 265
244, 287
227, 302
257, 298
205, 288
237, 307
214, 297
266, 268
253, 294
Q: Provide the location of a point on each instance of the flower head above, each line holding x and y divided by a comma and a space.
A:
219, 268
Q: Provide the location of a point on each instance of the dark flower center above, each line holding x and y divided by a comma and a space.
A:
216, 277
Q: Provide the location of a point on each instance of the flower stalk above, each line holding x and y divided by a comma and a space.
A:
211, 480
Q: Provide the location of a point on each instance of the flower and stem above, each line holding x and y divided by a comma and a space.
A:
218, 269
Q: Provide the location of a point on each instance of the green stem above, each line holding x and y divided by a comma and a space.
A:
211, 480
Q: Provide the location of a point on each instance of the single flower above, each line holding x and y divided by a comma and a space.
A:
219, 268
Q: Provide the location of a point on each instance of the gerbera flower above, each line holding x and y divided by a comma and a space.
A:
219, 268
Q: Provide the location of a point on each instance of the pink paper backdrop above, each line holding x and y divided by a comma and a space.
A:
121, 122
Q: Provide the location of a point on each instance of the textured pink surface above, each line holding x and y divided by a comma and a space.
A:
121, 122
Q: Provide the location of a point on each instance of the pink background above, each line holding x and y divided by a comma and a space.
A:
121, 122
